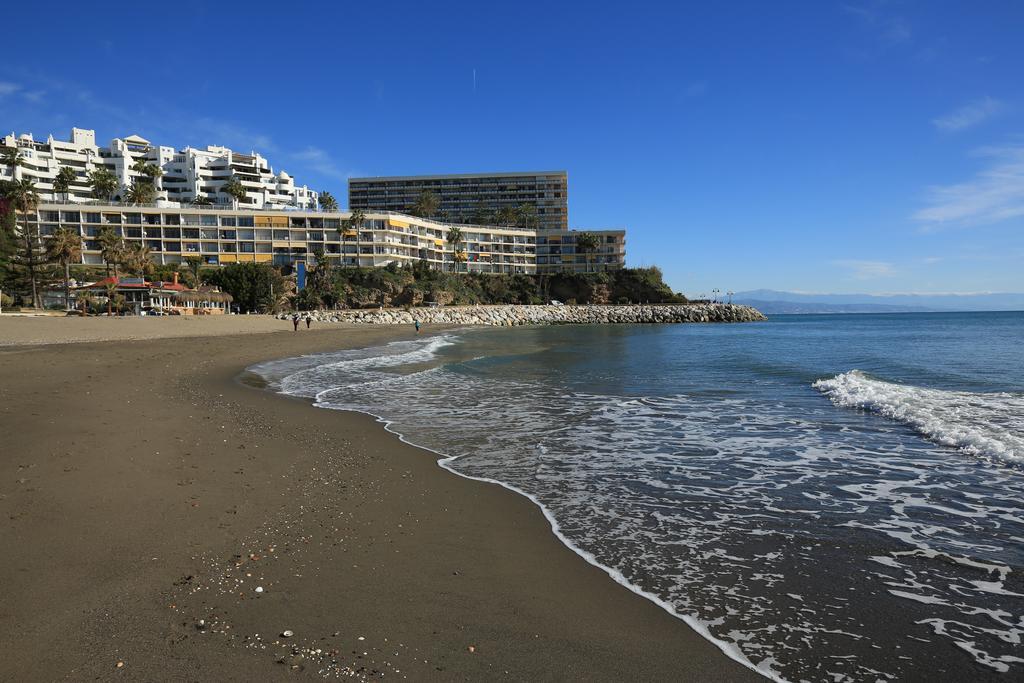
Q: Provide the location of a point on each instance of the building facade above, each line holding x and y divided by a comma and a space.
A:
464, 198
282, 238
188, 174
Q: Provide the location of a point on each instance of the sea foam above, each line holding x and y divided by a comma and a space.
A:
988, 425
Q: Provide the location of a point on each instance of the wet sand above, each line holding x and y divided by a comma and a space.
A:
145, 494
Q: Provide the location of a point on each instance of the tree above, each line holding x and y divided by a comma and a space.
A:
253, 286
103, 183
194, 263
320, 281
526, 215
11, 157
111, 288
62, 183
426, 205
65, 247
455, 239
142, 191
234, 189
356, 218
111, 248
482, 215
506, 216
8, 231
328, 202
201, 200
137, 259
23, 197
587, 243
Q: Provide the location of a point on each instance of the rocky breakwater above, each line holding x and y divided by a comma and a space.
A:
511, 315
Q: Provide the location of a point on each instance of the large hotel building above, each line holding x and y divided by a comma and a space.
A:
279, 223
461, 197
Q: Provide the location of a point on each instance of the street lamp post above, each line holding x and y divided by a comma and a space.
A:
730, 293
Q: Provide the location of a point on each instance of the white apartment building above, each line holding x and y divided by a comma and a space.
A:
188, 174
222, 236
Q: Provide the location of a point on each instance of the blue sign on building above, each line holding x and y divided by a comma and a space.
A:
300, 274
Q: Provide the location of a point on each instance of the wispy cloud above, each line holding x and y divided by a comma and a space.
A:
889, 30
229, 134
8, 88
969, 115
995, 194
320, 161
867, 270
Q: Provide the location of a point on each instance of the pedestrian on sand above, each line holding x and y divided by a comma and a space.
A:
417, 326
295, 321
309, 320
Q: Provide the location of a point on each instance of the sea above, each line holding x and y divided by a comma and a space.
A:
823, 497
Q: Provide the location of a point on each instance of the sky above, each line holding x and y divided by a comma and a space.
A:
863, 146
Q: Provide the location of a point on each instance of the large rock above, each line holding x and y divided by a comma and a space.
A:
546, 315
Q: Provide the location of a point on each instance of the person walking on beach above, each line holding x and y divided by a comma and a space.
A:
417, 323
295, 321
309, 320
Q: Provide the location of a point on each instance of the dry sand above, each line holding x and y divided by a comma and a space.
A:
145, 494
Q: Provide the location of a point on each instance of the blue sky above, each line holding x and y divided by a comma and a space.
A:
860, 146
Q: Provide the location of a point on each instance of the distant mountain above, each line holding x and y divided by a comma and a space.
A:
770, 307
772, 301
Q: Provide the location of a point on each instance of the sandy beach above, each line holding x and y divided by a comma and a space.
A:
162, 520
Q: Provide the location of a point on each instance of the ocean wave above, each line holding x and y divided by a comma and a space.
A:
989, 425
721, 506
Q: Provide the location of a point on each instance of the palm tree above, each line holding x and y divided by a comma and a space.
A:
454, 238
12, 159
142, 191
194, 263
65, 248
111, 249
136, 259
526, 215
201, 200
328, 202
588, 243
111, 288
234, 189
62, 183
426, 206
506, 216
23, 197
103, 183
356, 218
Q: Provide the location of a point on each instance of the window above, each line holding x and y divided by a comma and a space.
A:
245, 221
92, 218
229, 221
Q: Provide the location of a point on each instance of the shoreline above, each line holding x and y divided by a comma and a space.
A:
131, 532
